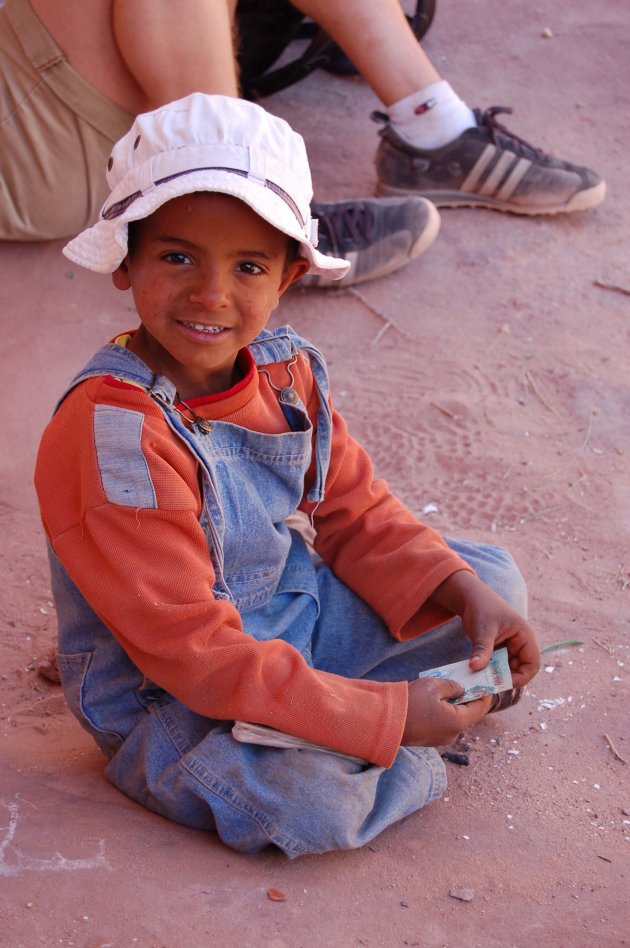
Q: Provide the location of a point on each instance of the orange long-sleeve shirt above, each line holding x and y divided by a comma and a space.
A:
148, 575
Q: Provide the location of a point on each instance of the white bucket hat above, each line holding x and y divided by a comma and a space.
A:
205, 143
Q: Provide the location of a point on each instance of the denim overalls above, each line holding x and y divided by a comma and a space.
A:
187, 767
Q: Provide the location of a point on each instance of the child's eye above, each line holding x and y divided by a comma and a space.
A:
247, 266
176, 257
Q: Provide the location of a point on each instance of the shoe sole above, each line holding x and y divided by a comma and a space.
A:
505, 699
423, 242
430, 232
581, 201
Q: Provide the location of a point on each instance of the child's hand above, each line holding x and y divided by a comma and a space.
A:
489, 622
431, 720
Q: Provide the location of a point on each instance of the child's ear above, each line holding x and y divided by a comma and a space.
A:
120, 277
295, 269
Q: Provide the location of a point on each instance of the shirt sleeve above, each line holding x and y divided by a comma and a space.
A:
375, 544
143, 564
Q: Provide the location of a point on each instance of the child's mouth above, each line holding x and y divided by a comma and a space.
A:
201, 327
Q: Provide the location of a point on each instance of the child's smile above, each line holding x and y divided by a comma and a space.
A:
206, 272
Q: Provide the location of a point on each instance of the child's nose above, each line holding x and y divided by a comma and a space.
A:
210, 289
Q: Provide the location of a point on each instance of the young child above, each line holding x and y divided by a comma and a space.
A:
165, 481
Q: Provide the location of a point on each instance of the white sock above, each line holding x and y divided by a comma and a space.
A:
431, 117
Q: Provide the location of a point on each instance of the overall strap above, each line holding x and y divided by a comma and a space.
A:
280, 345
119, 362
112, 360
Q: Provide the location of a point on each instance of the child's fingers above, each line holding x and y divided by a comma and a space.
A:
449, 689
524, 671
483, 647
514, 632
473, 711
431, 719
524, 657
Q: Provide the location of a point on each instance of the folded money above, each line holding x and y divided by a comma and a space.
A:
492, 679
268, 736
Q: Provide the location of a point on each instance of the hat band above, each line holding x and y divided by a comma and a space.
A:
119, 207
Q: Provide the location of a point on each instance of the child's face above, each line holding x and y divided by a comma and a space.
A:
206, 272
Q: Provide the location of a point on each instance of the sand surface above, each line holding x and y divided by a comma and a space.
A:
500, 394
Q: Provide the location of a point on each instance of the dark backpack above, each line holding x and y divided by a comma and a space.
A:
267, 27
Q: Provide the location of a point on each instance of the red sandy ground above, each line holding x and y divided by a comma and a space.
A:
503, 397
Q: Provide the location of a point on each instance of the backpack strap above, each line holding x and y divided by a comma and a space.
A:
261, 46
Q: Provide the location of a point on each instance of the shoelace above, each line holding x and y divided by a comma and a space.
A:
524, 148
344, 226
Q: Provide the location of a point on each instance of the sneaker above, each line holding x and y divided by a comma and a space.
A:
486, 166
378, 235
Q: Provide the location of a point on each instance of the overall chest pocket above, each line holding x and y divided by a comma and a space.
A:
250, 488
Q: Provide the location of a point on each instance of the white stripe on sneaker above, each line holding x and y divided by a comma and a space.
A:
478, 168
498, 173
513, 180
507, 164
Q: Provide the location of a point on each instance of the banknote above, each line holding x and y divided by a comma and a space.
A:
269, 737
492, 679
495, 677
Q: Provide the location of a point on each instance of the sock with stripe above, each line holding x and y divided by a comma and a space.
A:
431, 117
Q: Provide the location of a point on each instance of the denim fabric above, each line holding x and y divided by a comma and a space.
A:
114, 428
189, 768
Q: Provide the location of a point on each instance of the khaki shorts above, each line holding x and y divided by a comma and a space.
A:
56, 134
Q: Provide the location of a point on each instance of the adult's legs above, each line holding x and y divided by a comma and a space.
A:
108, 60
56, 132
432, 143
375, 35
143, 54
173, 49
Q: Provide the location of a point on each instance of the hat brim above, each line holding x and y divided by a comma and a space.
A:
103, 247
